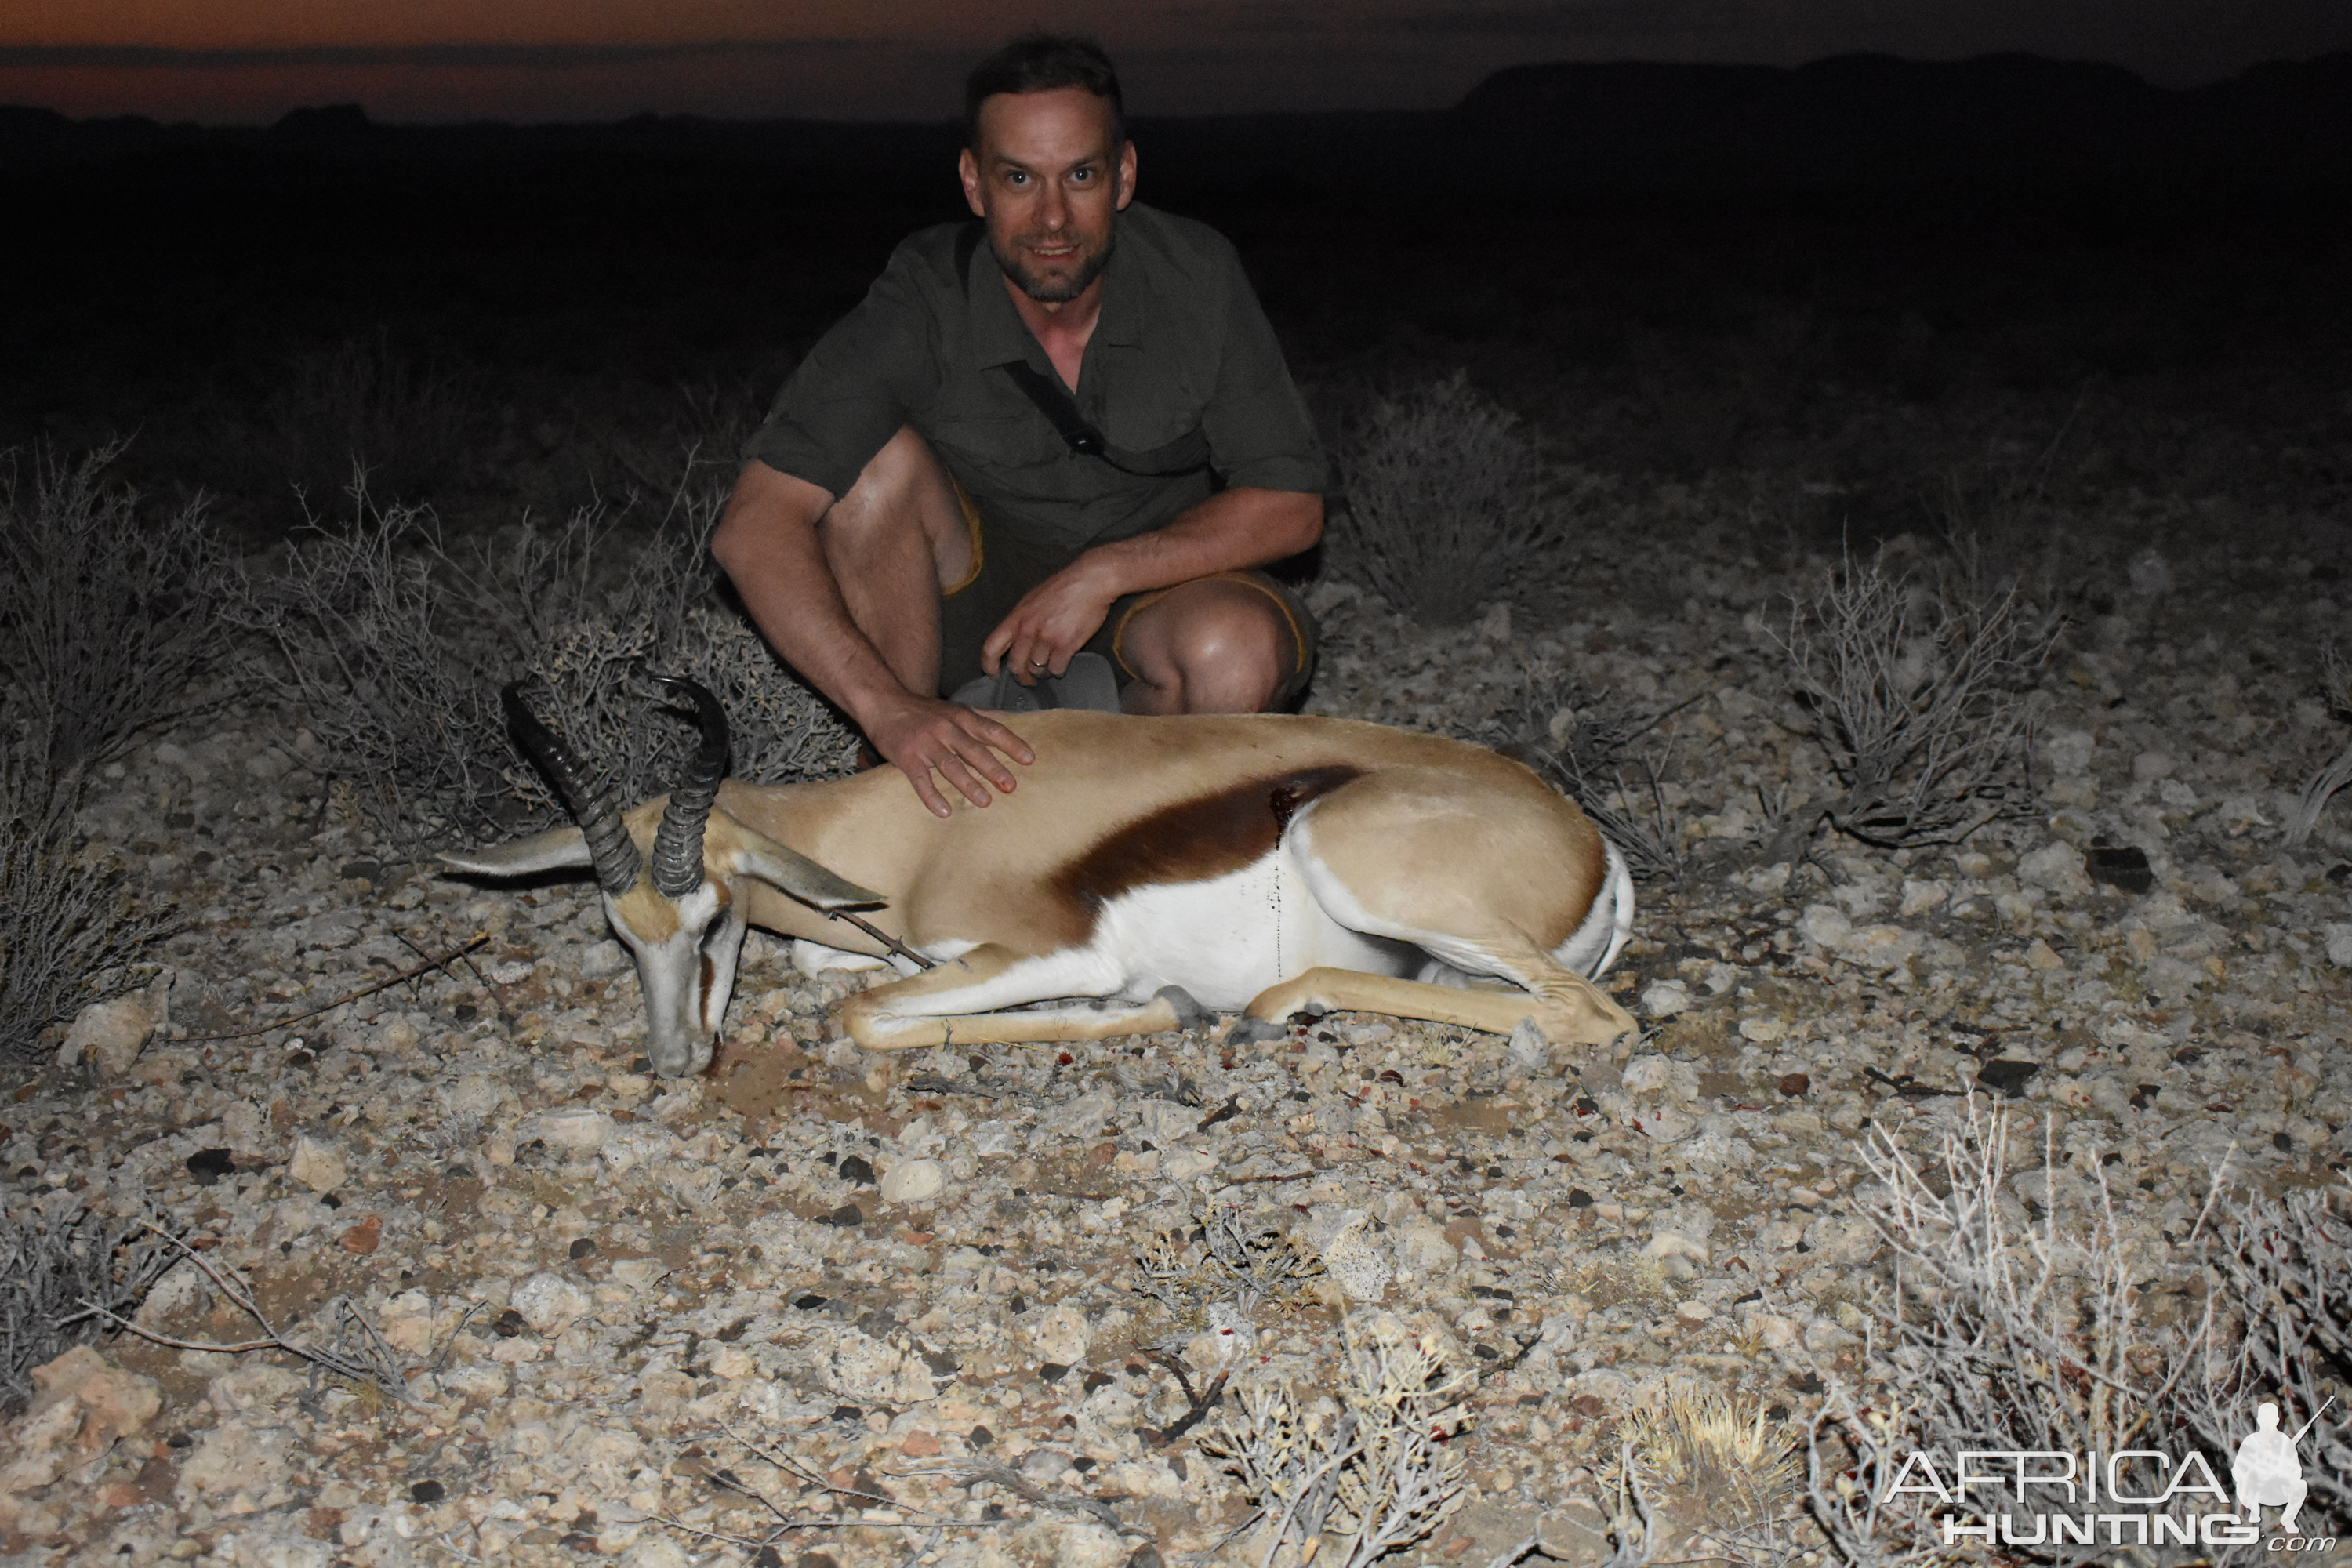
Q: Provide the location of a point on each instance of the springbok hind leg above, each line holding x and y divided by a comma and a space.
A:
1569, 1008
955, 1004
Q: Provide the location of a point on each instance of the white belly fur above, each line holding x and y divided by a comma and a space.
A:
1227, 938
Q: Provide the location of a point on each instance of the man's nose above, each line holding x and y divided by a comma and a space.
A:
1056, 210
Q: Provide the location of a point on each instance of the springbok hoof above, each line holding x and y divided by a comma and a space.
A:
1249, 1031
1190, 1015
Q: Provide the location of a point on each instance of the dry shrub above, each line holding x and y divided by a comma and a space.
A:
62, 1279
70, 932
399, 695
2006, 1331
2285, 1266
367, 401
394, 641
105, 620
2335, 675
1451, 505
1377, 1474
1587, 745
1919, 696
105, 617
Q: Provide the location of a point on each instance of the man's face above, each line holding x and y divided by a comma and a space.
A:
1048, 179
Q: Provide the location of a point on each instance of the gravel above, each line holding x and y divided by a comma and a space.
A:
896, 1303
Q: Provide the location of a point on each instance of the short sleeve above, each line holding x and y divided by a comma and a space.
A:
865, 377
1260, 433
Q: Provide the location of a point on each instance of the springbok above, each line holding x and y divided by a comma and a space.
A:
1144, 872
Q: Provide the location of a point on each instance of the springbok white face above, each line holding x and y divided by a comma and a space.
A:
674, 880
687, 975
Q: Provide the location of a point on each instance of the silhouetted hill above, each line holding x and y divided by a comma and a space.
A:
1875, 121
1855, 124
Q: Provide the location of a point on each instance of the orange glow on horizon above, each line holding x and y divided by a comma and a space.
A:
443, 60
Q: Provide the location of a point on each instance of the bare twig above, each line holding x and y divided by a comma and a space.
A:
431, 963
358, 1354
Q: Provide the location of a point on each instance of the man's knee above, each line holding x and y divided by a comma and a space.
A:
1224, 646
902, 497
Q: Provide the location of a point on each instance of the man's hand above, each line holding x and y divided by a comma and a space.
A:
921, 736
1051, 623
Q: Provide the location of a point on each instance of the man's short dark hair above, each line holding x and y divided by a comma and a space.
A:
1040, 62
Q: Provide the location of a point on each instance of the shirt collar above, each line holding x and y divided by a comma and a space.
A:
999, 336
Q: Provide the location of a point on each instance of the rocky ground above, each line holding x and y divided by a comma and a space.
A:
919, 1309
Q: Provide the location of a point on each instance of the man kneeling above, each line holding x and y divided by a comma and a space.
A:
1063, 428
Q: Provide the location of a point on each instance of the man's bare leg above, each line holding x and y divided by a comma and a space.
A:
896, 543
1207, 646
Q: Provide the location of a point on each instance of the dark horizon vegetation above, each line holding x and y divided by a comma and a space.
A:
1846, 287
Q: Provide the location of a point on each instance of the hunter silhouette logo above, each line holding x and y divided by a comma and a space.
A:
2266, 1471
2134, 1496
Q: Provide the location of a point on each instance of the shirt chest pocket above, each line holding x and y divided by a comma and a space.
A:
995, 425
1147, 403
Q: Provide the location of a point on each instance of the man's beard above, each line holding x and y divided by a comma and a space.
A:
1054, 291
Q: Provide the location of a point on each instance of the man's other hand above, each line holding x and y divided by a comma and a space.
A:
920, 736
1051, 623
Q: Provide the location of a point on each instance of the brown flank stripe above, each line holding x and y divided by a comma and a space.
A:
1193, 840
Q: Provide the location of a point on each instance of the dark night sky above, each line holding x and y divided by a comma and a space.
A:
437, 60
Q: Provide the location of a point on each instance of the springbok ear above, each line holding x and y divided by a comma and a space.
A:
791, 872
559, 849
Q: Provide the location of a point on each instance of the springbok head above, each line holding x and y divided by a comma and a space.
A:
673, 874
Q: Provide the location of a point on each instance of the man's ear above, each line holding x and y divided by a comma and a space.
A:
1126, 174
968, 170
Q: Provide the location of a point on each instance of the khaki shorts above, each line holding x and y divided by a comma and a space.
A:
1004, 567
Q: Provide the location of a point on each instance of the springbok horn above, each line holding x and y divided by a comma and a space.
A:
610, 849
678, 846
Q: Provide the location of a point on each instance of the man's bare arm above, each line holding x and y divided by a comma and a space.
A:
768, 543
1229, 532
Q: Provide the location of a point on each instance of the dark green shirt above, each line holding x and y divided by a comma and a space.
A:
1182, 345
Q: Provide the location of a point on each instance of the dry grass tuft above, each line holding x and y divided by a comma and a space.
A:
1708, 1451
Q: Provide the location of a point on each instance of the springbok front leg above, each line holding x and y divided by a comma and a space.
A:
1568, 1009
956, 1003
